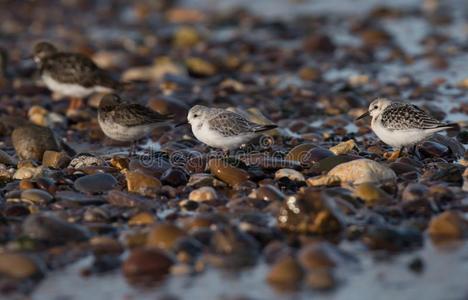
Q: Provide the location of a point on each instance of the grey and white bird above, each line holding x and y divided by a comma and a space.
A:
71, 74
220, 128
401, 124
127, 122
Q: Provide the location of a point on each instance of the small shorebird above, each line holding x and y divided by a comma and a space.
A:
220, 128
127, 122
402, 125
71, 74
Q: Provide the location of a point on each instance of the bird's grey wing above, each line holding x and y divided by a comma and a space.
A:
407, 116
76, 68
231, 124
136, 114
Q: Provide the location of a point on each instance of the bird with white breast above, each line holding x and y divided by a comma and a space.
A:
401, 124
224, 129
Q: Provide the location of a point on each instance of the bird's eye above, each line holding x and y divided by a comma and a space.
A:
195, 116
375, 107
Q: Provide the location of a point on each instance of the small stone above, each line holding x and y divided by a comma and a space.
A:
205, 193
286, 272
291, 174
227, 173
31, 141
164, 236
363, 170
321, 279
175, 176
140, 183
448, 225
186, 37
308, 153
143, 218
93, 184
28, 172
46, 227
55, 159
147, 265
268, 193
86, 160
200, 67
371, 194
123, 199
317, 256
324, 180
415, 192
344, 147
36, 196
18, 266
119, 162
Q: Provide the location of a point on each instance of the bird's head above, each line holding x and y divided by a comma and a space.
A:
42, 50
375, 108
197, 114
109, 101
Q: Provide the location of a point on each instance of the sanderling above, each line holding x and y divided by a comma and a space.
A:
402, 125
71, 74
127, 122
220, 128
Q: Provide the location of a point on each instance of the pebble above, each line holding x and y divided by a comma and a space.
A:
321, 280
18, 266
37, 196
147, 265
448, 225
46, 227
415, 192
344, 147
371, 194
285, 272
175, 176
28, 172
31, 141
140, 183
123, 199
142, 218
93, 184
362, 171
308, 154
205, 193
55, 159
164, 236
324, 180
227, 173
268, 193
85, 160
291, 174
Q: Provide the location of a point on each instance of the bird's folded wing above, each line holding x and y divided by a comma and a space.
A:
404, 117
231, 124
74, 68
136, 114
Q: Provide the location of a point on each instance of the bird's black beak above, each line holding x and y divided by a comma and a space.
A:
182, 124
366, 114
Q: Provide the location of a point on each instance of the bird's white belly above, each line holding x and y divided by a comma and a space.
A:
123, 133
400, 138
214, 139
70, 89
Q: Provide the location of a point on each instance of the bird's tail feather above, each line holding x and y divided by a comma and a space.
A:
262, 128
453, 126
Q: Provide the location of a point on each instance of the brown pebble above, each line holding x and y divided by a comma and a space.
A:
164, 236
147, 265
227, 173
448, 225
